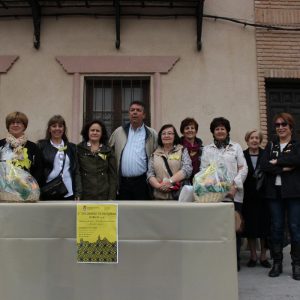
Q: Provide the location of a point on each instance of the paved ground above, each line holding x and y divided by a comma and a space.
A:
254, 283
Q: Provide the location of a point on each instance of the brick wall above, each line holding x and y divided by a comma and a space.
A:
278, 52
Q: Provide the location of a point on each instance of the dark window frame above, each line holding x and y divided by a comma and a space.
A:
119, 86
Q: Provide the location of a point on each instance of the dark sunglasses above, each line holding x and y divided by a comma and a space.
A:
283, 124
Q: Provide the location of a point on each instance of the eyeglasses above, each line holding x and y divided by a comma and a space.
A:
283, 124
16, 122
167, 133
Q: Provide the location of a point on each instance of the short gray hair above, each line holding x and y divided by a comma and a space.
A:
248, 134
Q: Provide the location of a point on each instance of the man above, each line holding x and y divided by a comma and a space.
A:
133, 144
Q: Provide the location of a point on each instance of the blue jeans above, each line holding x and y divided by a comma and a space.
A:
279, 208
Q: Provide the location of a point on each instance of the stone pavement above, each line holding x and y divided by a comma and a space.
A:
254, 283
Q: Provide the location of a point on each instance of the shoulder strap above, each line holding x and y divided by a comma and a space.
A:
167, 166
271, 148
62, 169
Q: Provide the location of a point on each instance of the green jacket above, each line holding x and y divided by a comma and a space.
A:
98, 173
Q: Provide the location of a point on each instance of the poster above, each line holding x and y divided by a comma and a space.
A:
97, 233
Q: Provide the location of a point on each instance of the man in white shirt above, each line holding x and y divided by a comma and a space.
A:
133, 144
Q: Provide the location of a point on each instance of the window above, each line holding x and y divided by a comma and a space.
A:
283, 96
109, 98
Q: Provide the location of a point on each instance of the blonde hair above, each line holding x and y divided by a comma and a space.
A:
248, 134
16, 116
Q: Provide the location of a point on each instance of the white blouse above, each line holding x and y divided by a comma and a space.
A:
233, 158
57, 166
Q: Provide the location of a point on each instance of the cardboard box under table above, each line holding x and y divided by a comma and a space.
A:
167, 250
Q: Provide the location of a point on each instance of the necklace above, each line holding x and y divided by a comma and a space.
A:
94, 147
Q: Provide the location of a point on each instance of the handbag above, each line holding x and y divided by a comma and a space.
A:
176, 188
239, 222
55, 189
260, 176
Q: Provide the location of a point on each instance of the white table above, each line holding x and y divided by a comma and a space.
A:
167, 251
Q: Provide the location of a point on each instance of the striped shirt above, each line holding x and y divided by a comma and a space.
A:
134, 159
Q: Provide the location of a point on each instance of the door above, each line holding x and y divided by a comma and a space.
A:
283, 96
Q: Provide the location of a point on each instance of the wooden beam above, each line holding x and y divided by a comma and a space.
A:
36, 17
199, 16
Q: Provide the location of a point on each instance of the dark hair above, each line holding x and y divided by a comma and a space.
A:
286, 117
176, 136
59, 120
140, 103
220, 121
87, 126
16, 116
186, 122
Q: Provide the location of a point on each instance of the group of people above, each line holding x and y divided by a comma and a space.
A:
88, 169
136, 163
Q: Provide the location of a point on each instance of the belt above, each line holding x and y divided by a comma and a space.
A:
133, 178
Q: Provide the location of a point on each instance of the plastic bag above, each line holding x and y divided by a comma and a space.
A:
213, 179
17, 185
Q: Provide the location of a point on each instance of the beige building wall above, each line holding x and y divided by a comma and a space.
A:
221, 80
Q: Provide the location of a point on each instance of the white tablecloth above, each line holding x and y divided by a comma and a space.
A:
167, 251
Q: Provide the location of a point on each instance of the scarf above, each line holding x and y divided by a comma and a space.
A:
222, 144
17, 144
195, 153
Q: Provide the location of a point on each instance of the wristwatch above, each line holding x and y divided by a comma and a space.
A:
171, 181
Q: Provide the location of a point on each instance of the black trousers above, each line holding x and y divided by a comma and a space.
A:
134, 188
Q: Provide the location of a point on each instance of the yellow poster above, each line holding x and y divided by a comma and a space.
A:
97, 233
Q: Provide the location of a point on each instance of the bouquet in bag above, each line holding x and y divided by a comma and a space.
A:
17, 185
212, 183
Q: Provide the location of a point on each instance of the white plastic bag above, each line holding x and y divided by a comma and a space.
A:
212, 181
17, 185
186, 194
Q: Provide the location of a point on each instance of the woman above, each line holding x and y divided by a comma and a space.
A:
97, 163
189, 129
231, 155
169, 164
255, 209
281, 164
17, 148
59, 155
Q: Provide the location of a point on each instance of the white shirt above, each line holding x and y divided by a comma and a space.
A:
278, 177
134, 159
233, 158
57, 166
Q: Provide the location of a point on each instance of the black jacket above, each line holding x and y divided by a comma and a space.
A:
250, 182
48, 155
34, 155
289, 157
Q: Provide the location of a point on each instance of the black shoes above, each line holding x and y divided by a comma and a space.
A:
265, 263
296, 272
276, 269
251, 263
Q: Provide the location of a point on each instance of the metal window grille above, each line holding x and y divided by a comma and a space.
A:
109, 99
